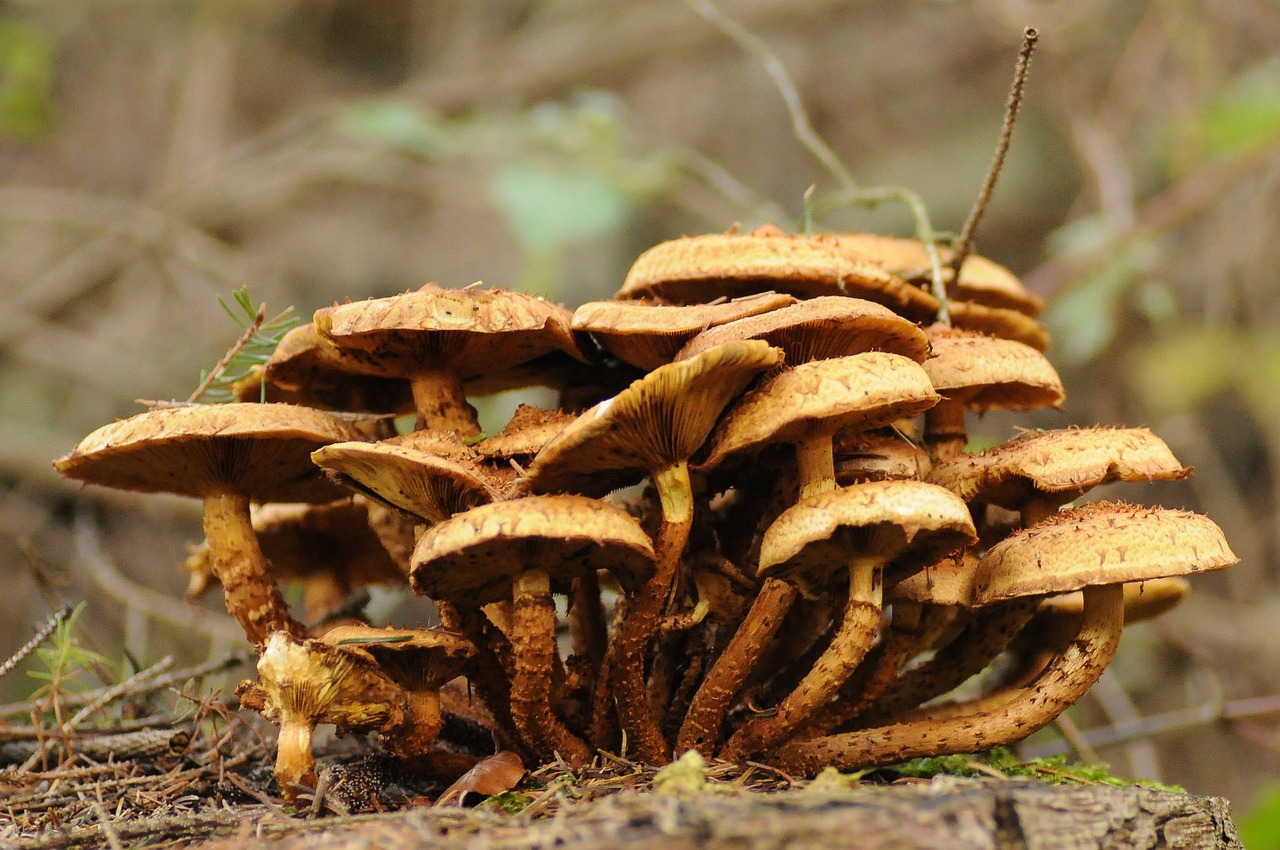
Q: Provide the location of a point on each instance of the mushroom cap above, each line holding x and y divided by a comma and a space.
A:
702, 268
862, 391
418, 473
985, 372
1000, 322
526, 432
471, 558
1062, 462
981, 280
317, 683
259, 450
647, 335
467, 331
877, 456
321, 376
660, 419
949, 581
1143, 600
821, 328
904, 523
417, 659
302, 539
1100, 543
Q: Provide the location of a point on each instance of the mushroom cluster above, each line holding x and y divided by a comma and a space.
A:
754, 496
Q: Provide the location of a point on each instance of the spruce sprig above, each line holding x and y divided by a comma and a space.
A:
253, 348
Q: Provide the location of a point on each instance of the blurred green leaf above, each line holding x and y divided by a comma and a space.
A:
1260, 826
1185, 367
548, 207
402, 124
1083, 318
1246, 115
26, 81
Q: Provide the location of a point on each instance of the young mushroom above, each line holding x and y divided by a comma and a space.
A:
227, 455
515, 550
1096, 549
359, 679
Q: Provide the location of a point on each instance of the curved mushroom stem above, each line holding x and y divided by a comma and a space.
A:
237, 562
533, 644
847, 649
644, 611
442, 403
701, 728
1063, 682
986, 635
295, 766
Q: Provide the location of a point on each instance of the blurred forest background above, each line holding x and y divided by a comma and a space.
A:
155, 155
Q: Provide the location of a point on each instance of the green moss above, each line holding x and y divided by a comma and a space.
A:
1002, 762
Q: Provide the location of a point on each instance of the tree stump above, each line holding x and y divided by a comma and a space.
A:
943, 813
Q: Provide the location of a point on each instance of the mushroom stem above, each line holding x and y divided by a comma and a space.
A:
815, 460
533, 644
986, 635
294, 763
422, 724
1063, 682
588, 629
442, 403
701, 728
237, 562
945, 434
847, 649
643, 614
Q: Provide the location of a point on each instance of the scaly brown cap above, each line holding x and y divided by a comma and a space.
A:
984, 372
822, 328
471, 558
981, 280
646, 334
1063, 462
863, 390
908, 523
259, 450
999, 322
320, 376
697, 269
1100, 543
467, 331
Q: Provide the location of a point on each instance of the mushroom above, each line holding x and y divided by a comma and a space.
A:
804, 406
341, 679
428, 474
1039, 471
437, 338
225, 454
822, 328
647, 335
1096, 549
981, 281
854, 533
702, 268
652, 427
975, 372
514, 550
